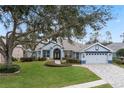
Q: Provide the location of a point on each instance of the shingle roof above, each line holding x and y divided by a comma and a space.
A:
116, 46
74, 47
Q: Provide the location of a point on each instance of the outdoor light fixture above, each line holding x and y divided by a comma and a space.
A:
97, 47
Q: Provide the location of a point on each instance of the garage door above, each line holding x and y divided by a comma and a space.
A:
92, 58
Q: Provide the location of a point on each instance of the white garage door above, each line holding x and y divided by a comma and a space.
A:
92, 58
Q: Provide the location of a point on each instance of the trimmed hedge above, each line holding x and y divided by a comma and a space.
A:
73, 61
52, 64
30, 59
27, 59
42, 59
118, 61
10, 69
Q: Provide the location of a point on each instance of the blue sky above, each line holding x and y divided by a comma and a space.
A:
115, 26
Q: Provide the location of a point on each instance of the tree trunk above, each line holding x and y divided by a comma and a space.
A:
8, 58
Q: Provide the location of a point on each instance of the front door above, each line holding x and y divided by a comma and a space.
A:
57, 53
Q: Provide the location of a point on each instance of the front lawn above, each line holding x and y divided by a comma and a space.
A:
104, 86
35, 74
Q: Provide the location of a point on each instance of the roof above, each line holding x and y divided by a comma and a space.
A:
76, 47
99, 45
115, 46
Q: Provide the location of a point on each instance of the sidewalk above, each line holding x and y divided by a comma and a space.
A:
88, 85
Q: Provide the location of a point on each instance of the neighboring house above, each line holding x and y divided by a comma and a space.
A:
1, 59
96, 53
17, 53
115, 47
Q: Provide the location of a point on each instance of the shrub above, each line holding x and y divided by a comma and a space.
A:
27, 59
52, 64
42, 59
63, 62
120, 52
73, 61
14, 59
10, 69
118, 61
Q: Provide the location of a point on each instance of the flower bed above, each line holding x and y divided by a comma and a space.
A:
52, 64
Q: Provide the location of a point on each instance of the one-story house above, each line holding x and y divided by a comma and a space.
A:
95, 53
115, 47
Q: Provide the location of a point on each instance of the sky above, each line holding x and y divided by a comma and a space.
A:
115, 26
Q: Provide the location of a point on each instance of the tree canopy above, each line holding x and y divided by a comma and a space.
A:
120, 52
31, 25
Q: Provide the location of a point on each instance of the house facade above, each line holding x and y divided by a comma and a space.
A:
87, 54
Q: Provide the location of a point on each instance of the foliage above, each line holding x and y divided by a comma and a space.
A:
52, 64
27, 59
10, 69
31, 25
14, 59
120, 52
118, 61
42, 59
73, 61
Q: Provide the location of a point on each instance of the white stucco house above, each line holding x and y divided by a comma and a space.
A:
87, 54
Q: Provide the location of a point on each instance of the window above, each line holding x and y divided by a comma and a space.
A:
39, 52
34, 54
77, 55
46, 53
83, 55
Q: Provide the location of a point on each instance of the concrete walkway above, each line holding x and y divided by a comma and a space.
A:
88, 85
57, 61
110, 73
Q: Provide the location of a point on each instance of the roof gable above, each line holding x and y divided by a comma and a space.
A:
49, 46
97, 47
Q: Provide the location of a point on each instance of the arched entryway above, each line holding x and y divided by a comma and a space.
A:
57, 53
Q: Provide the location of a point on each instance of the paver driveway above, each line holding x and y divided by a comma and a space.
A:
109, 73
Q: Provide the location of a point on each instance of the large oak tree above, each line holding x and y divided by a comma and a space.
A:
31, 25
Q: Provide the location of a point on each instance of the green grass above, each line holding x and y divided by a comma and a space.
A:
36, 75
103, 86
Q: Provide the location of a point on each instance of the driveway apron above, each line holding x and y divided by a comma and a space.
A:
110, 73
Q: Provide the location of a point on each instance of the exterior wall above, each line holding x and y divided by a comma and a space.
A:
109, 56
1, 59
51, 47
101, 55
17, 52
83, 58
100, 48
